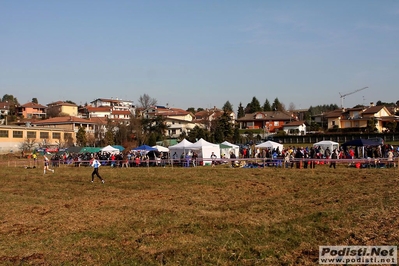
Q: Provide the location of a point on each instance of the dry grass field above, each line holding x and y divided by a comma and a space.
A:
192, 216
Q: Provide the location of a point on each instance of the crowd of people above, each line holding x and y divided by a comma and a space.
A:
309, 157
289, 157
129, 159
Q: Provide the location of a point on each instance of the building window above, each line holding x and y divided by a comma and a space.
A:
173, 131
333, 123
56, 135
67, 136
17, 134
3, 133
44, 135
276, 123
31, 134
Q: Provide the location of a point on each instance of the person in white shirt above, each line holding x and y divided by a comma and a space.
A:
47, 165
96, 164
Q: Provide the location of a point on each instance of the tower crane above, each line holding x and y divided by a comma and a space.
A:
349, 93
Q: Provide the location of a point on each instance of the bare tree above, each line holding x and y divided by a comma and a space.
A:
28, 144
145, 101
291, 107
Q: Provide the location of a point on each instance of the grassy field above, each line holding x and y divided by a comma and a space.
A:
192, 216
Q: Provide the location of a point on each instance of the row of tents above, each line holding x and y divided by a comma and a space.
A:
204, 149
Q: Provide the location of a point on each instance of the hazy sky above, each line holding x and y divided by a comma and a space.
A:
200, 53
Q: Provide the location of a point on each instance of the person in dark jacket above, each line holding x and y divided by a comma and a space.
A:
334, 156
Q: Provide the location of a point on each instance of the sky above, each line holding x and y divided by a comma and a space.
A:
201, 54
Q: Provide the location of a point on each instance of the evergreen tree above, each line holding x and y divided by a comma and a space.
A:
266, 106
253, 106
222, 128
236, 135
152, 140
197, 133
227, 107
240, 111
81, 137
155, 125
13, 104
191, 110
277, 106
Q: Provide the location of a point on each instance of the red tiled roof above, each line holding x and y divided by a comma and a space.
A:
373, 109
62, 120
334, 114
124, 112
92, 109
61, 103
5, 105
99, 120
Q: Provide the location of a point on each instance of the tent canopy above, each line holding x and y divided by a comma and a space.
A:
144, 148
205, 149
110, 149
178, 149
224, 146
90, 149
229, 148
203, 143
361, 142
182, 145
332, 145
270, 145
231, 144
161, 148
119, 147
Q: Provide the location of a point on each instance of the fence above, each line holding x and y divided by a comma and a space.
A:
236, 162
340, 138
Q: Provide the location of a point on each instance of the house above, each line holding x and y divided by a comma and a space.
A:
358, 118
295, 128
32, 110
70, 123
270, 122
117, 110
63, 108
177, 120
177, 126
4, 112
206, 116
115, 104
93, 111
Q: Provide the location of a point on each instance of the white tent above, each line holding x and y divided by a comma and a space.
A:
327, 143
205, 149
270, 145
110, 149
181, 147
161, 148
234, 148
